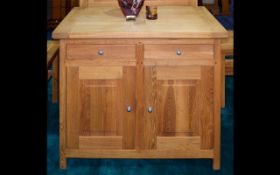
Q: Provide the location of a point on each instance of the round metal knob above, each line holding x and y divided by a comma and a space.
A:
178, 52
128, 109
150, 109
100, 52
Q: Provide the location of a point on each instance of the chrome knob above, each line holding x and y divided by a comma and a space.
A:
150, 109
100, 52
178, 52
128, 109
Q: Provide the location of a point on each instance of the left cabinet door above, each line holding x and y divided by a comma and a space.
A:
100, 105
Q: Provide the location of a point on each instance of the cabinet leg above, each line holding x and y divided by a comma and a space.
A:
216, 163
62, 162
223, 86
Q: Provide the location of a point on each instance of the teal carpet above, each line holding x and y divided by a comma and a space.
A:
142, 166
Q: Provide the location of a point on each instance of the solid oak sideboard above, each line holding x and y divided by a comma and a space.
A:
140, 89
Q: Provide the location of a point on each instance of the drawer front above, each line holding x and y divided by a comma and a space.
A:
88, 51
179, 51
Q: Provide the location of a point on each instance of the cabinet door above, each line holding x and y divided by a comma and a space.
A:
100, 106
178, 107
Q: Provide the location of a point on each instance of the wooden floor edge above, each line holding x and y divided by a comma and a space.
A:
133, 154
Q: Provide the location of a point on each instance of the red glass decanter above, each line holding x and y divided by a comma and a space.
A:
131, 8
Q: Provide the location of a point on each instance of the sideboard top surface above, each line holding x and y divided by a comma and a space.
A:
109, 22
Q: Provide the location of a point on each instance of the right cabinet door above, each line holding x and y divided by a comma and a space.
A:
178, 107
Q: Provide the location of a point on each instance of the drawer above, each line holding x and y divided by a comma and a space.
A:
89, 51
179, 51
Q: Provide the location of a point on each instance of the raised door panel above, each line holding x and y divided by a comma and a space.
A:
97, 101
181, 98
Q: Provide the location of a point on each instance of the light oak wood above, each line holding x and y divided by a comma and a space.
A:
180, 104
97, 100
99, 142
227, 44
179, 62
177, 104
83, 3
139, 97
109, 22
223, 82
85, 51
134, 41
100, 62
170, 51
178, 143
217, 107
73, 112
138, 154
62, 104
129, 121
100, 72
149, 118
105, 106
178, 73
